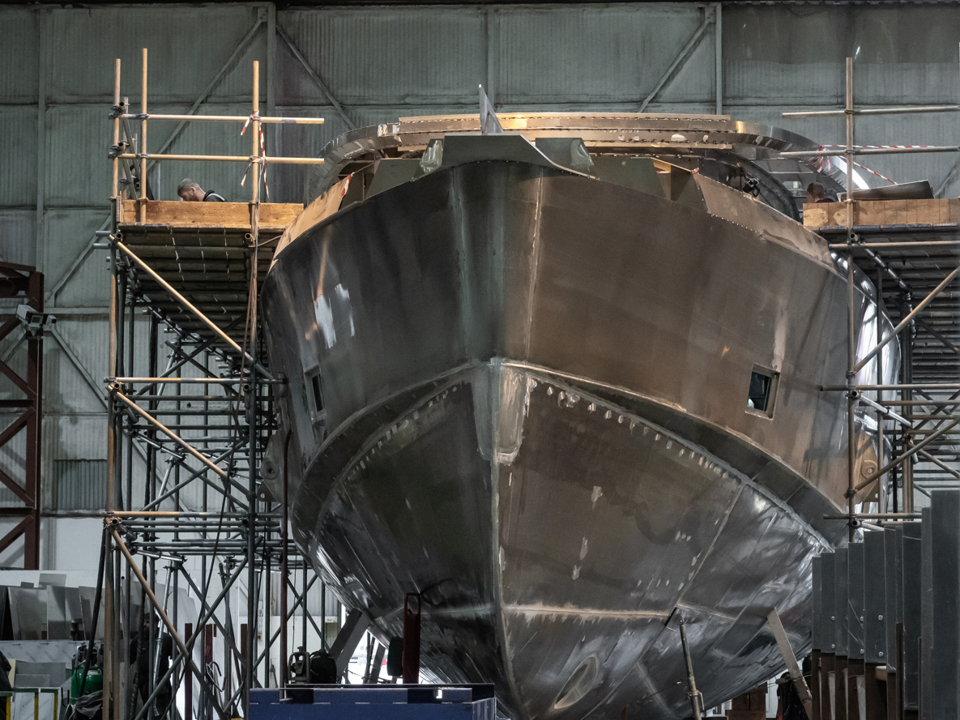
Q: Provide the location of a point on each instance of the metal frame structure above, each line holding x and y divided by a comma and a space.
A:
24, 284
915, 269
198, 427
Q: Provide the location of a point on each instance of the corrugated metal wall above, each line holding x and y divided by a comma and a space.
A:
381, 63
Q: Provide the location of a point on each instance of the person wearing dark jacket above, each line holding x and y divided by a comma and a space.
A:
789, 705
190, 191
817, 194
141, 662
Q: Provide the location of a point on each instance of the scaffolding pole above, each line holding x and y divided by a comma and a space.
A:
215, 400
918, 373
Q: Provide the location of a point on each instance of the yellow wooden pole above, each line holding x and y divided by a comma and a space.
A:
116, 128
143, 143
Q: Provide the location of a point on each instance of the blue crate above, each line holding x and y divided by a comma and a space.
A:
380, 702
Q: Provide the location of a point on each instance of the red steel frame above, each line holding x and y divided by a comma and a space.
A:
23, 282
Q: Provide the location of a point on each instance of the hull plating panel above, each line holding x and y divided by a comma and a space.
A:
548, 529
523, 394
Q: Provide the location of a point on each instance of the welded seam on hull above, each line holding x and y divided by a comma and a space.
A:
458, 375
709, 550
495, 455
655, 694
496, 401
677, 603
534, 262
448, 377
549, 375
587, 613
751, 603
464, 259
454, 377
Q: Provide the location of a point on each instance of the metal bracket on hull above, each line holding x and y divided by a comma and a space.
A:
696, 698
348, 639
796, 674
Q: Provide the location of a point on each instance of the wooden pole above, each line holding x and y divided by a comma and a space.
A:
256, 131
245, 159
849, 148
143, 143
116, 130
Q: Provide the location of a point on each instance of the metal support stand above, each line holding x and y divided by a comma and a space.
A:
348, 639
411, 638
793, 667
696, 699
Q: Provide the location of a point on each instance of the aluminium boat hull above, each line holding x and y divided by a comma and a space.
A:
534, 413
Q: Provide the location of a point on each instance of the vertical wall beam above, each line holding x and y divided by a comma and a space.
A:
907, 371
142, 206
31, 552
881, 495
718, 53
43, 28
679, 61
491, 29
250, 645
272, 69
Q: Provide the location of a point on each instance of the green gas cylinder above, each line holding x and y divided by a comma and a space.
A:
94, 682
94, 675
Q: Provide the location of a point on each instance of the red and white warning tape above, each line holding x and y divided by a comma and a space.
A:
822, 161
263, 155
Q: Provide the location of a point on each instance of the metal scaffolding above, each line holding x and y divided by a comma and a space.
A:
914, 265
186, 436
914, 262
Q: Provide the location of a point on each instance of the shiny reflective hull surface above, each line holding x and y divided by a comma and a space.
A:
535, 393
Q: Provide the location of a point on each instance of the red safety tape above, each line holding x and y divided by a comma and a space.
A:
263, 154
821, 160
874, 172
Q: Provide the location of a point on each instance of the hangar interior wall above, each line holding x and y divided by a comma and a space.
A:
377, 64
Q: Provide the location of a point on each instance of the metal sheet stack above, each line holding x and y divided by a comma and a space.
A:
886, 632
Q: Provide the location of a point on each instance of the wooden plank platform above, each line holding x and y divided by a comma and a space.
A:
205, 251
209, 214
883, 212
924, 246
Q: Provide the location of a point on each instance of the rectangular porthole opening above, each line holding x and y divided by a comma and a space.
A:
762, 394
315, 393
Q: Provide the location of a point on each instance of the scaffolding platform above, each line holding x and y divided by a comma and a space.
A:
203, 250
884, 213
907, 248
910, 250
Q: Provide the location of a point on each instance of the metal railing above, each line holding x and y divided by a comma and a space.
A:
36, 692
